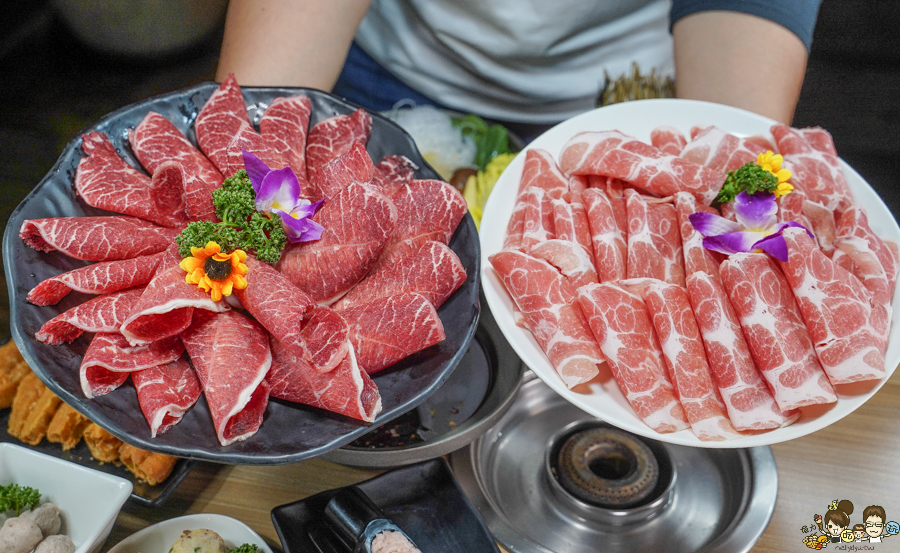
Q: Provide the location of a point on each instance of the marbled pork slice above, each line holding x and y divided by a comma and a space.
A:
433, 270
614, 154
388, 329
346, 390
246, 138
106, 181
317, 335
814, 170
285, 125
682, 347
654, 240
696, 256
720, 150
358, 223
97, 238
353, 166
219, 120
607, 238
547, 303
569, 258
539, 223
775, 331
540, 170
865, 254
231, 355
156, 140
570, 222
747, 398
334, 136
110, 358
166, 307
846, 324
621, 324
98, 278
668, 140
165, 393
104, 313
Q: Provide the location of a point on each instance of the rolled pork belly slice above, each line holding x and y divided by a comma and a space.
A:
747, 397
668, 140
620, 322
845, 322
654, 240
720, 150
865, 254
547, 303
166, 392
346, 390
105, 238
569, 258
614, 154
696, 256
231, 355
570, 222
684, 353
540, 170
607, 238
775, 331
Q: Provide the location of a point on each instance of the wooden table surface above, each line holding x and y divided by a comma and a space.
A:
853, 459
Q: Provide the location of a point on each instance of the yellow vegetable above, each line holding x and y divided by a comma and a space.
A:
479, 186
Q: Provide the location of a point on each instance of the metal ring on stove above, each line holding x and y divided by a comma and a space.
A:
607, 468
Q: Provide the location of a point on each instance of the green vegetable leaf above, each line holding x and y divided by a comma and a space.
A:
749, 178
490, 140
18, 498
241, 226
246, 548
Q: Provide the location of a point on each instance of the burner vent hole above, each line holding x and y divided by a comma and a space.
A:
607, 467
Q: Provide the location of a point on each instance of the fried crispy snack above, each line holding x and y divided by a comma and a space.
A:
67, 427
152, 468
12, 369
32, 409
104, 446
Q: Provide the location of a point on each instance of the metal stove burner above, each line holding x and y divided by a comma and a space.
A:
605, 467
598, 498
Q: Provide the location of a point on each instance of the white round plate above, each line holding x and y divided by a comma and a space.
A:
601, 397
159, 537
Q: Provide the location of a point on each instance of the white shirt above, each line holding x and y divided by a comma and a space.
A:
524, 60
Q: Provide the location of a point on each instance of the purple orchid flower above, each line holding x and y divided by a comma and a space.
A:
278, 191
756, 228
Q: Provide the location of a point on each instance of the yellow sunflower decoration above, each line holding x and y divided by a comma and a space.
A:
772, 163
215, 272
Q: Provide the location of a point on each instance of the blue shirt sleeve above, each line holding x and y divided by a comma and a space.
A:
798, 16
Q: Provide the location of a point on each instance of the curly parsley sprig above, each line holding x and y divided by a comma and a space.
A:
14, 497
241, 226
750, 178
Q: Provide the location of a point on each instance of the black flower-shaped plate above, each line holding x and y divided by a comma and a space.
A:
289, 432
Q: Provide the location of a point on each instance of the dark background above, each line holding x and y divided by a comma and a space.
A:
53, 87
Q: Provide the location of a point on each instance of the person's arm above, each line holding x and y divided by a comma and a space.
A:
741, 60
288, 42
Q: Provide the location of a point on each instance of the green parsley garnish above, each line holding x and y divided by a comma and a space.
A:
241, 227
246, 548
749, 178
18, 498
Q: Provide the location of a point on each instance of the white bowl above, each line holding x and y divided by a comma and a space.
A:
160, 537
89, 500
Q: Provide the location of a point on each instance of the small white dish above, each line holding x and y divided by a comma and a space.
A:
88, 500
159, 537
602, 398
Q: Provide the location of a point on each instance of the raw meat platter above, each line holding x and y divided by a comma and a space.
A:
289, 432
601, 396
